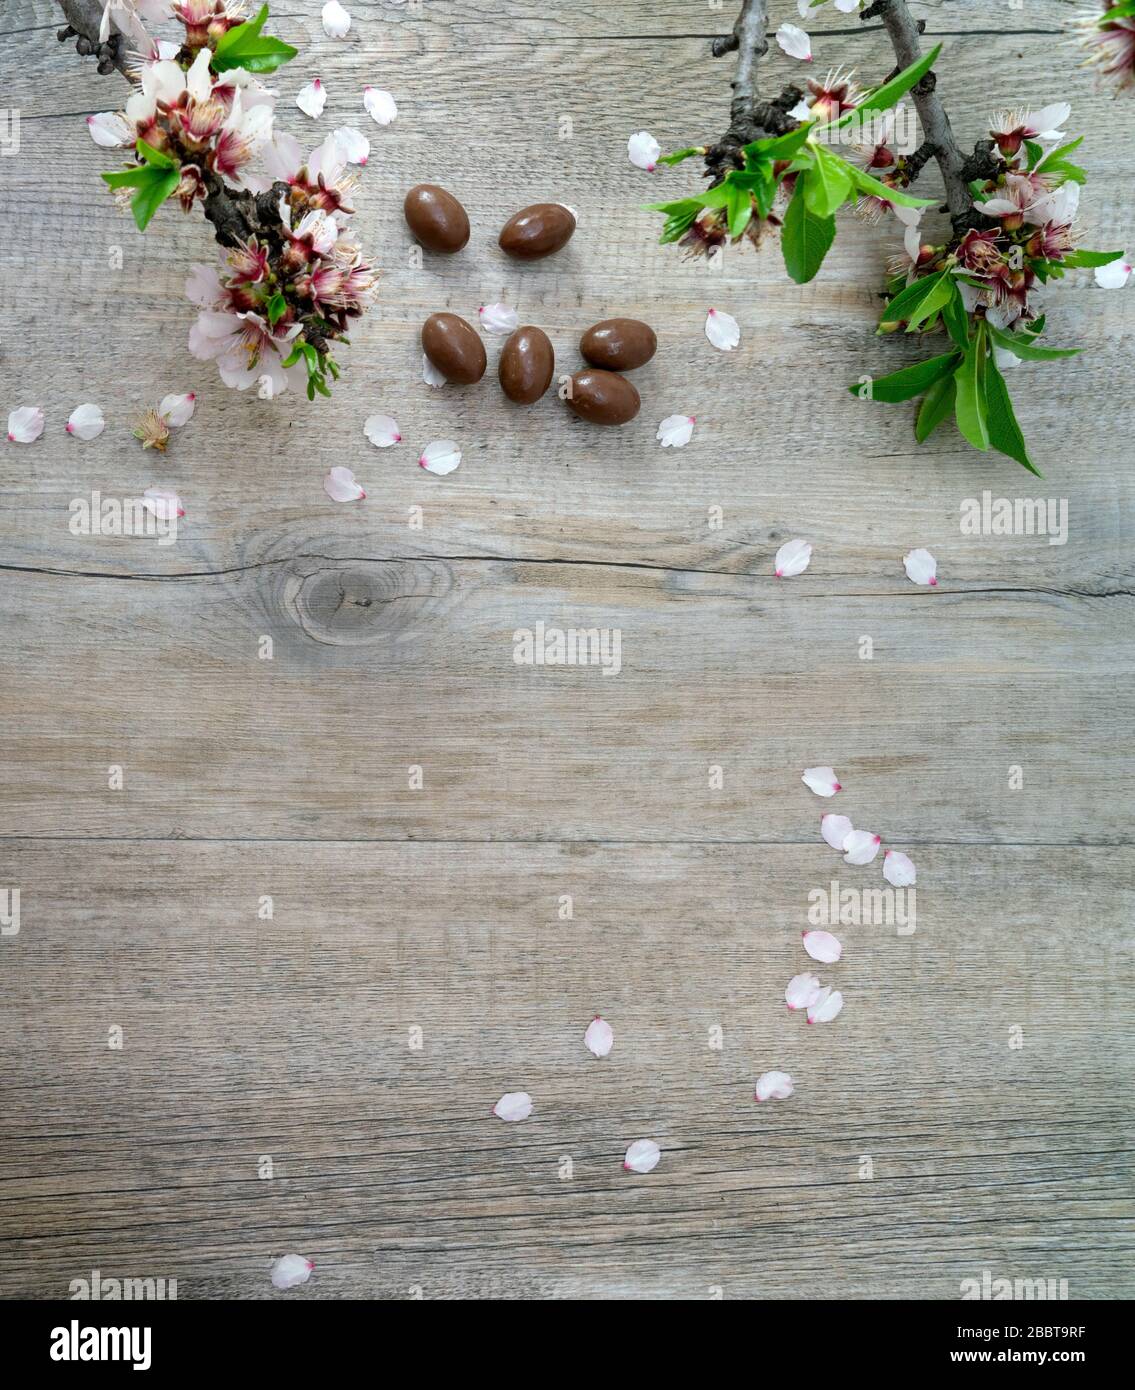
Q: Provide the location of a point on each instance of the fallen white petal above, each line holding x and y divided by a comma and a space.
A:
773, 1085
442, 456
162, 503
822, 946
289, 1271
86, 422
1115, 275
643, 150
801, 991
898, 869
430, 374
921, 567
340, 486
860, 847
847, 6
821, 780
722, 330
792, 558
835, 829
336, 20
676, 431
25, 424
599, 1037
642, 1156
312, 99
498, 318
380, 105
353, 143
178, 410
1005, 359
828, 1005
382, 431
516, 1105
795, 42
110, 129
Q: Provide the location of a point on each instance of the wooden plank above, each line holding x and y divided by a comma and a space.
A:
290, 1038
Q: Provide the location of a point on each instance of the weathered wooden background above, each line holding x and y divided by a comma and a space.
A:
438, 908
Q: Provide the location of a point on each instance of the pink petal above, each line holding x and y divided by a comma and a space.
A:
25, 424
382, 431
792, 558
162, 503
821, 780
921, 567
178, 410
442, 456
498, 318
86, 422
835, 829
430, 374
828, 1005
795, 42
643, 150
676, 431
516, 1105
336, 20
380, 105
340, 486
822, 946
353, 143
110, 129
1114, 275
642, 1156
312, 98
773, 1085
289, 1271
599, 1037
722, 330
860, 847
801, 991
898, 869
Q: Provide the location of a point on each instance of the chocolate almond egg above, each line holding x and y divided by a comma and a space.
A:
526, 365
603, 398
620, 345
537, 231
454, 348
436, 218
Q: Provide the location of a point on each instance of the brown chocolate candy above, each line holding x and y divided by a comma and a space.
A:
526, 365
454, 348
436, 218
619, 345
537, 231
604, 398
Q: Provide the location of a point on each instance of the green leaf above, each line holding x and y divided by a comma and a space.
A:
866, 184
804, 239
826, 185
679, 155
1079, 258
1124, 10
277, 307
679, 216
777, 146
921, 299
155, 157
1004, 431
884, 97
937, 405
904, 385
955, 318
970, 407
760, 182
246, 47
1056, 156
154, 185
1022, 344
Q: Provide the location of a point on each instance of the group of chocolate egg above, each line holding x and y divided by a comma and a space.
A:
527, 362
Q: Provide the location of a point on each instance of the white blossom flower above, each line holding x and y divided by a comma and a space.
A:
336, 20
676, 431
792, 558
380, 105
498, 318
312, 98
795, 42
642, 1156
442, 456
86, 422
643, 151
25, 424
722, 330
290, 1271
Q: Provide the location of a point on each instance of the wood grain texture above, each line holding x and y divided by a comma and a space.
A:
392, 648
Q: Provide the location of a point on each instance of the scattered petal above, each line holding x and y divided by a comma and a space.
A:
380, 105
642, 1156
353, 144
110, 129
795, 42
1115, 275
643, 150
340, 486
846, 6
86, 422
162, 503
516, 1105
822, 946
773, 1085
860, 847
498, 318
25, 424
821, 780
382, 431
336, 20
921, 567
835, 829
722, 330
676, 431
828, 1005
178, 410
792, 558
599, 1037
1005, 359
442, 456
801, 991
312, 99
430, 374
898, 869
289, 1271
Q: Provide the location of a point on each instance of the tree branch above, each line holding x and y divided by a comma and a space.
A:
83, 20
749, 117
904, 34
